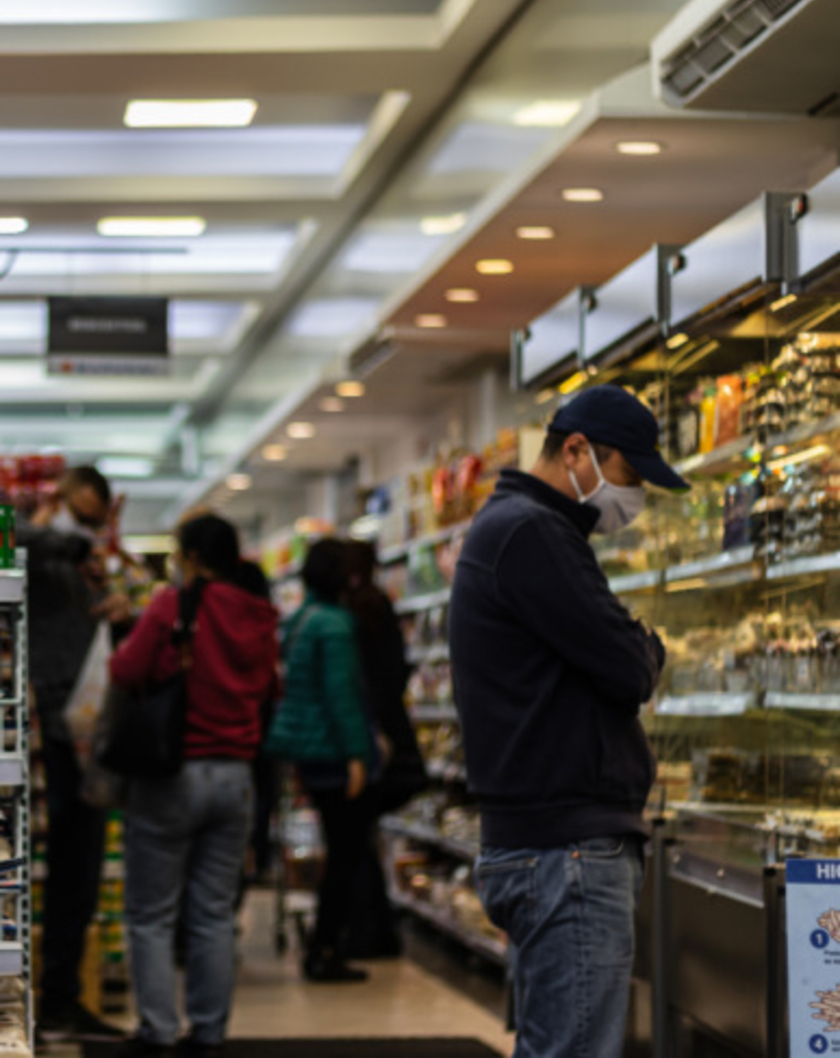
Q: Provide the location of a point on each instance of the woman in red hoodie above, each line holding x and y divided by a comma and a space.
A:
186, 836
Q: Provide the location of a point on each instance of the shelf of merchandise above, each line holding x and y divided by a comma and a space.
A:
425, 713
707, 703
738, 565
491, 949
416, 603
428, 835
428, 655
802, 700
446, 770
397, 552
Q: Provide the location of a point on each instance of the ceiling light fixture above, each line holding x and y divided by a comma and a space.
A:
300, 431
493, 266
463, 295
151, 227
332, 404
238, 482
189, 113
445, 225
13, 225
350, 388
783, 302
430, 320
535, 232
640, 148
547, 113
677, 341
583, 194
274, 453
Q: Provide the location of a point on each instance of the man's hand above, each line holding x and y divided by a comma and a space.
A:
115, 608
356, 779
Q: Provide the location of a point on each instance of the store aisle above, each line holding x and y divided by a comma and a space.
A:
400, 999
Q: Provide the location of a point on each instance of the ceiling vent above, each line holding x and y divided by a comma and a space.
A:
775, 56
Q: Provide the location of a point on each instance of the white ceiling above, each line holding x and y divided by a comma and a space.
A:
373, 117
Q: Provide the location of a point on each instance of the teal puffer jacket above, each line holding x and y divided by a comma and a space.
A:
322, 715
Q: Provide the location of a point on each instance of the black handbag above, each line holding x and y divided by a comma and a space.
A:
146, 729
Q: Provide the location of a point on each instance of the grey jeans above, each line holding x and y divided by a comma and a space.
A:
185, 840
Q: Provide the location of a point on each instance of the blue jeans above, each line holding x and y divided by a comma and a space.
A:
185, 839
569, 915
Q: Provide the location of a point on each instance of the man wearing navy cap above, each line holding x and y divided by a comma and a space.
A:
550, 671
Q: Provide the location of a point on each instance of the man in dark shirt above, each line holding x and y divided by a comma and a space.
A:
549, 673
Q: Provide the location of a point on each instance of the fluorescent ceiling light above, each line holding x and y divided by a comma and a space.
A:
189, 113
430, 319
583, 194
789, 299
331, 404
444, 225
13, 225
151, 227
332, 317
238, 482
300, 431
547, 113
535, 232
274, 453
350, 388
462, 294
494, 266
639, 147
677, 341
125, 467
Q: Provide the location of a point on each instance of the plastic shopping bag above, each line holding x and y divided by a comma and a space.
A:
88, 695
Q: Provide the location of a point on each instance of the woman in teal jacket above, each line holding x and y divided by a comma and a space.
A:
323, 727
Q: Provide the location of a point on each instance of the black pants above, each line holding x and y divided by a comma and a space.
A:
74, 859
345, 825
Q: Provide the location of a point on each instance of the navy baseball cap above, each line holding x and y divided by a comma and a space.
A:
611, 416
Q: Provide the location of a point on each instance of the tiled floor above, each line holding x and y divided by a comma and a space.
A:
399, 999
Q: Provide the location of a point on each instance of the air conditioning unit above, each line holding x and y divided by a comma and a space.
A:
776, 56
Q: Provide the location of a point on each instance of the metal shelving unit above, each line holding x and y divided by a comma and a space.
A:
428, 601
481, 945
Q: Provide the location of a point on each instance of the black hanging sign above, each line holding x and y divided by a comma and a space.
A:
108, 336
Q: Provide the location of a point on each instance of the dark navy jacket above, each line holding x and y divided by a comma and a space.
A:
549, 672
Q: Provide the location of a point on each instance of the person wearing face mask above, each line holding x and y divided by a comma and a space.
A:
549, 672
68, 597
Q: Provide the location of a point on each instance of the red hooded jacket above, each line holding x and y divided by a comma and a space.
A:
233, 671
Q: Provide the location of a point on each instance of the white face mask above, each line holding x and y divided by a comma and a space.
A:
64, 522
618, 505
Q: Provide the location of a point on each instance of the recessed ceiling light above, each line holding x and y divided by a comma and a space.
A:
238, 482
151, 227
535, 232
13, 225
462, 294
300, 431
491, 266
639, 147
582, 194
443, 225
189, 113
350, 389
274, 453
430, 319
547, 113
332, 404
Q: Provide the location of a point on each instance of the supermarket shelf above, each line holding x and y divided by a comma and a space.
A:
739, 561
416, 603
631, 582
11, 958
426, 712
399, 551
710, 703
798, 567
428, 836
446, 770
490, 949
11, 585
804, 700
427, 655
12, 770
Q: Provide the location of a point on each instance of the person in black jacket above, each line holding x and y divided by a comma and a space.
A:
373, 930
549, 673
